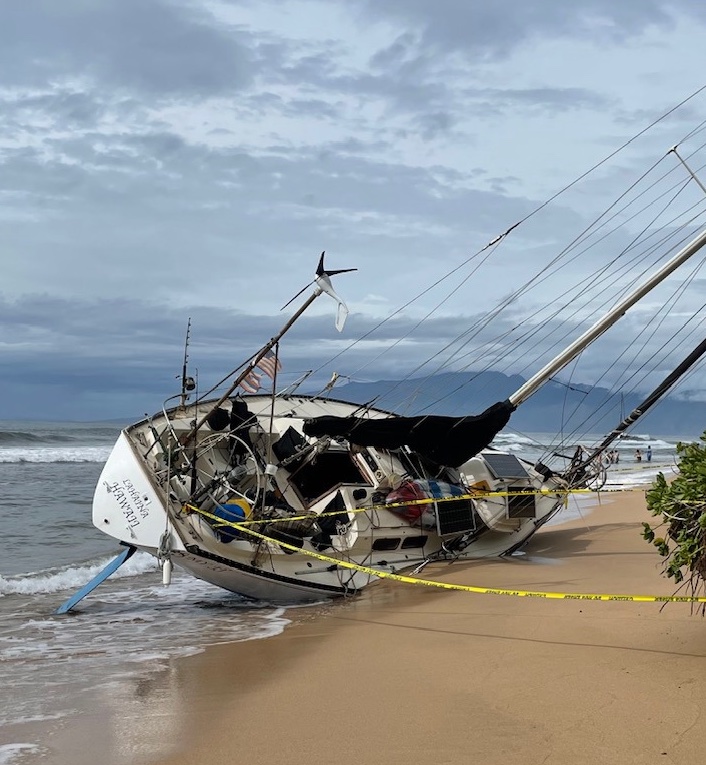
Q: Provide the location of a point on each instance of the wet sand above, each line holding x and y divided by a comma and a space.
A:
414, 674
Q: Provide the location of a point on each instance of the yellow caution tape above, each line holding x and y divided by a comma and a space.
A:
461, 587
426, 501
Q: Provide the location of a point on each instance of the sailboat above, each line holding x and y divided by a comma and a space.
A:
292, 497
269, 495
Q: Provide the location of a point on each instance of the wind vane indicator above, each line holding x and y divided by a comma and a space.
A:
263, 359
323, 283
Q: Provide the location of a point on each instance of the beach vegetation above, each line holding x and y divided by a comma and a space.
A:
679, 505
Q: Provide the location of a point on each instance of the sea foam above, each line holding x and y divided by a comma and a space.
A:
55, 454
73, 577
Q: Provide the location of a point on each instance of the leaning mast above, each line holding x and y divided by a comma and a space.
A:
607, 321
570, 353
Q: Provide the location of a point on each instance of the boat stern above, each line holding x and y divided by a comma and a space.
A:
126, 506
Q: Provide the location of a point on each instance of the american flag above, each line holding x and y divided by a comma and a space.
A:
269, 364
251, 382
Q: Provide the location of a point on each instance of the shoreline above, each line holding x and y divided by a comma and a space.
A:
406, 673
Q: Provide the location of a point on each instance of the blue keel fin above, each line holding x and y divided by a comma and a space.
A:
111, 568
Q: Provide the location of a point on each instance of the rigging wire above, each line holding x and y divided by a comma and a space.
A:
568, 329
574, 250
637, 376
539, 278
501, 237
591, 277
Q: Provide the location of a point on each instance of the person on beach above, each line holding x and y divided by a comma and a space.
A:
649, 452
638, 455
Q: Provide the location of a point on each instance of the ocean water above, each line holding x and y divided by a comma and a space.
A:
131, 625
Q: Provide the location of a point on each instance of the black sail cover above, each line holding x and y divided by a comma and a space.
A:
444, 440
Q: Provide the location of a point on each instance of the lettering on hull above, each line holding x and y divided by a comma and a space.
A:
134, 506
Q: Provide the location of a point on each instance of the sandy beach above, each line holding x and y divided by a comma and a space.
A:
407, 673
413, 674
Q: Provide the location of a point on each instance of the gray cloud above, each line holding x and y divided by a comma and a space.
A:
550, 100
157, 47
108, 358
132, 352
484, 30
157, 162
113, 206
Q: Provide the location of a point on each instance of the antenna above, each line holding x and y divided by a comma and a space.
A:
188, 384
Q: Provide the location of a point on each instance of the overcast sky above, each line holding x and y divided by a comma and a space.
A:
181, 158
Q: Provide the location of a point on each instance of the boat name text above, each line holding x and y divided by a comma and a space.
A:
134, 507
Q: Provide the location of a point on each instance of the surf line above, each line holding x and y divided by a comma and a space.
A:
466, 587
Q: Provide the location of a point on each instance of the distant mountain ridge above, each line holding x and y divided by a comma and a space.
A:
553, 406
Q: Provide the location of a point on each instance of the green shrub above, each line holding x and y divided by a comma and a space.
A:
680, 504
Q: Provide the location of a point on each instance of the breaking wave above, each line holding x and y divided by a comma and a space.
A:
65, 454
55, 580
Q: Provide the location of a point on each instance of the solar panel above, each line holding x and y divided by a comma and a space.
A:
504, 466
455, 517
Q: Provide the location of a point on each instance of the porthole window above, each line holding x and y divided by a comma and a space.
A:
386, 543
409, 543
